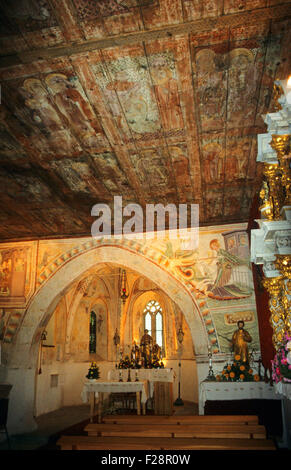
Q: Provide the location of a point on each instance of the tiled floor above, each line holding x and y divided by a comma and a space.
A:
52, 423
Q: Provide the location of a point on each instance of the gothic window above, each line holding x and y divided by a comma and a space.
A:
92, 333
153, 322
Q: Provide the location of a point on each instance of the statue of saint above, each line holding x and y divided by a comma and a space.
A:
146, 345
157, 353
240, 340
135, 353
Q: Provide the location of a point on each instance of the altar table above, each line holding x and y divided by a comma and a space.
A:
209, 390
94, 389
160, 382
151, 375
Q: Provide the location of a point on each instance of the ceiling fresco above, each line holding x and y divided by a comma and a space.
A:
159, 101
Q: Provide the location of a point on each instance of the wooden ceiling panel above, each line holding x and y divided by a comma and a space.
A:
158, 101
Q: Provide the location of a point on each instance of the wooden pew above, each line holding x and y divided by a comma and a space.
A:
187, 419
126, 443
235, 431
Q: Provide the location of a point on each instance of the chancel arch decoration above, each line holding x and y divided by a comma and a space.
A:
46, 299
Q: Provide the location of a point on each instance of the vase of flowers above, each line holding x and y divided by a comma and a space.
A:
281, 364
238, 371
93, 372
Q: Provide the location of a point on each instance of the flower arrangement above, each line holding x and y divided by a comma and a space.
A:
238, 371
281, 364
93, 372
157, 364
128, 363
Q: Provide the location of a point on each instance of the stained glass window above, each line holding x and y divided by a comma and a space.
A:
92, 333
153, 321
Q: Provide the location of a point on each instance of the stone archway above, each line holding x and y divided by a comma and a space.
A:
24, 358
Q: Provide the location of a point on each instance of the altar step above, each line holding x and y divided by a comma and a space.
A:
134, 432
148, 443
184, 419
234, 431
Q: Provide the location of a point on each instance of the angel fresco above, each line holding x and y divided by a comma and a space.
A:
220, 275
222, 263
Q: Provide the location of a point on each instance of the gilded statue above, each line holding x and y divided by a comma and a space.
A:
157, 352
240, 340
135, 353
146, 345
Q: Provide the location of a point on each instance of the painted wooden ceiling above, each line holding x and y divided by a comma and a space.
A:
159, 101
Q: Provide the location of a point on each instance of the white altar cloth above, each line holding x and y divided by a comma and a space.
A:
149, 375
283, 389
234, 391
114, 387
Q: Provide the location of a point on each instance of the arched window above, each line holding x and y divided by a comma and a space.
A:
92, 333
153, 321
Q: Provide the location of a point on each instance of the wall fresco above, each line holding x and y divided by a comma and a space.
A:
217, 273
17, 268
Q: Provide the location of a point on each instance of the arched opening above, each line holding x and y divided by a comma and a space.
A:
45, 301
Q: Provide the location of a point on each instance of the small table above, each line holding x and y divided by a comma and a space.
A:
94, 389
234, 391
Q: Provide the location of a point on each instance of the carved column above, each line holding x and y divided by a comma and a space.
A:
273, 175
281, 144
271, 243
283, 264
277, 320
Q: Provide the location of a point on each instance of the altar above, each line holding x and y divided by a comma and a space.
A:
160, 385
94, 389
215, 391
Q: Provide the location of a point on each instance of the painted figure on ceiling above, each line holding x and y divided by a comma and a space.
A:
213, 162
243, 77
167, 94
45, 118
73, 106
129, 101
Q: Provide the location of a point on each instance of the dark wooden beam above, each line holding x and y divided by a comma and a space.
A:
248, 18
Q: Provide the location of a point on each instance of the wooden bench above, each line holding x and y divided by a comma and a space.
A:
126, 443
235, 431
195, 419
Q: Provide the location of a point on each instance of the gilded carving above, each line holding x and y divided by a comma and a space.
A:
277, 92
281, 143
272, 174
274, 286
266, 206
